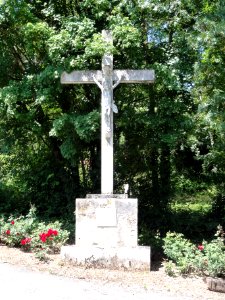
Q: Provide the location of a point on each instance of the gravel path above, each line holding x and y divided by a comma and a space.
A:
24, 277
20, 283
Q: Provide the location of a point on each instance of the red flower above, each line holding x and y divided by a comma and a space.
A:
50, 232
7, 232
12, 222
200, 247
43, 237
25, 241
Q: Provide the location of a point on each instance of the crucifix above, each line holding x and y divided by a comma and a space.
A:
107, 79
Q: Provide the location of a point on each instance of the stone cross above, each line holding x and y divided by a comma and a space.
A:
107, 79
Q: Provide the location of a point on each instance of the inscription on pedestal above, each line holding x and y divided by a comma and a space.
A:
106, 222
106, 217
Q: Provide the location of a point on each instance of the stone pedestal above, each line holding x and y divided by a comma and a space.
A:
106, 234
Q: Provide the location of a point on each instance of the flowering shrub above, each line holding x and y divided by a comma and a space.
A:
30, 235
48, 236
25, 241
26, 244
207, 258
200, 247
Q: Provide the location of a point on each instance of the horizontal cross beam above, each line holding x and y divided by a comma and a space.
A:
125, 76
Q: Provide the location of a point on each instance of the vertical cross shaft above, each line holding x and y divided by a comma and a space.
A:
107, 120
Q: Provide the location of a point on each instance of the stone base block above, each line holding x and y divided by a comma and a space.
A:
137, 258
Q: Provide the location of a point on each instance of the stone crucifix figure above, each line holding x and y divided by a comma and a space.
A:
107, 80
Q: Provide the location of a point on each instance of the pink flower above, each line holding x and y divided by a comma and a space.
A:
200, 247
7, 232
12, 222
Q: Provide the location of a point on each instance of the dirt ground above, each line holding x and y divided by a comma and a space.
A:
156, 281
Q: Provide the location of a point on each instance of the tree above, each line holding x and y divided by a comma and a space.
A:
31, 99
209, 95
50, 133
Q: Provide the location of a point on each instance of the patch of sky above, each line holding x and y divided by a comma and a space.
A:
157, 35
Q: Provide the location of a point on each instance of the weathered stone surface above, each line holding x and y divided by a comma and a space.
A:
215, 284
106, 217
127, 76
137, 258
134, 76
120, 196
106, 234
81, 77
106, 222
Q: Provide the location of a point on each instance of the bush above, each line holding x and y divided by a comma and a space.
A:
207, 258
29, 234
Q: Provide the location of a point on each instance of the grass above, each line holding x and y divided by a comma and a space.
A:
191, 215
199, 202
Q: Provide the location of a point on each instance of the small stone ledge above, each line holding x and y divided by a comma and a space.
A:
106, 196
215, 284
133, 259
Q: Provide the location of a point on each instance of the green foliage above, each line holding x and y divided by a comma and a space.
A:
179, 250
218, 207
166, 135
208, 258
148, 237
170, 268
191, 214
192, 200
29, 234
209, 92
85, 126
